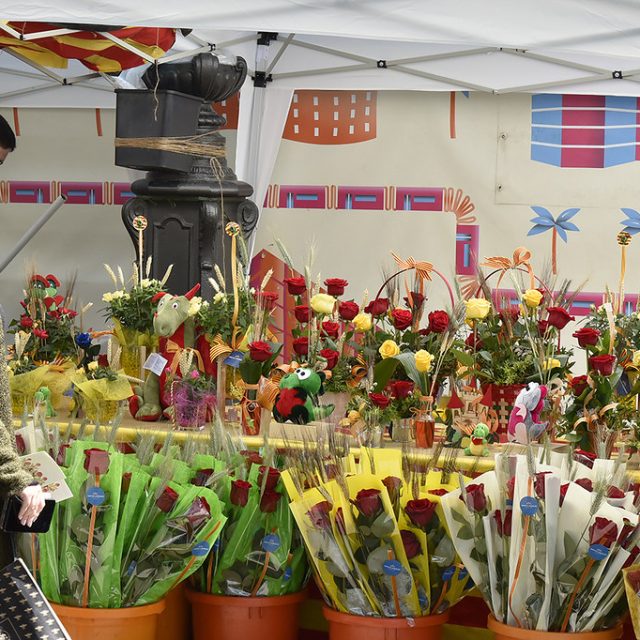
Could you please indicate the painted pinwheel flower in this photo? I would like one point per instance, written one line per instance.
(631, 222)
(559, 226)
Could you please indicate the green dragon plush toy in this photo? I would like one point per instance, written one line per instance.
(298, 398)
(478, 444)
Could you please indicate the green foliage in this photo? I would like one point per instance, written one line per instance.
(134, 309)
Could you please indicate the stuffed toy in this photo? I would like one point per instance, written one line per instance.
(478, 444)
(297, 400)
(524, 422)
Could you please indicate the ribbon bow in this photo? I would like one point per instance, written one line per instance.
(177, 350)
(423, 269)
(521, 258)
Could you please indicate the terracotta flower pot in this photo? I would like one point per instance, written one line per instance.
(131, 623)
(234, 617)
(343, 626)
(505, 632)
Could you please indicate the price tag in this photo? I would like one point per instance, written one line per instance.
(95, 496)
(201, 549)
(155, 363)
(529, 506)
(392, 567)
(287, 574)
(447, 574)
(234, 359)
(598, 552)
(271, 542)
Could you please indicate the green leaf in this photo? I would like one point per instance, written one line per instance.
(383, 372)
(465, 533)
(458, 517)
(463, 358)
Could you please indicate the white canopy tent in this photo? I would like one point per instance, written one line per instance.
(499, 46)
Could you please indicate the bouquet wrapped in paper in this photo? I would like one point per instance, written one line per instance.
(546, 544)
(375, 534)
(126, 537)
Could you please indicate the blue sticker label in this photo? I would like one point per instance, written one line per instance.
(509, 503)
(448, 573)
(392, 567)
(95, 496)
(271, 542)
(470, 583)
(463, 573)
(529, 506)
(422, 599)
(598, 551)
(234, 359)
(287, 574)
(216, 544)
(131, 568)
(201, 549)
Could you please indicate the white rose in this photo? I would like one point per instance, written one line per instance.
(194, 305)
(107, 297)
(145, 282)
(118, 294)
(219, 297)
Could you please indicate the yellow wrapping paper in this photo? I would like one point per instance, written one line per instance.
(24, 386)
(58, 380)
(631, 585)
(102, 389)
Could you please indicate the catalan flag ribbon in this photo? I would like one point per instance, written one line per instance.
(92, 49)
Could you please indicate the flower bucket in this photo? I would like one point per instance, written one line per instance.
(234, 617)
(131, 623)
(192, 407)
(505, 632)
(344, 626)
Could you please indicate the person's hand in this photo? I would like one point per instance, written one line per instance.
(32, 504)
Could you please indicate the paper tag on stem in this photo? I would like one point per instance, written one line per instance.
(155, 363)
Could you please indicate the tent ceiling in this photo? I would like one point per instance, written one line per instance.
(499, 46)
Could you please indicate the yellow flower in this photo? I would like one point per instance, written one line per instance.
(636, 358)
(353, 416)
(219, 297)
(477, 308)
(532, 298)
(107, 297)
(93, 365)
(362, 322)
(424, 360)
(145, 282)
(551, 363)
(323, 303)
(388, 349)
(194, 305)
(119, 294)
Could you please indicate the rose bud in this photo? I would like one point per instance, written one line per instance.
(411, 543)
(296, 286)
(438, 321)
(199, 512)
(259, 351)
(585, 483)
(543, 327)
(330, 329)
(503, 526)
(393, 485)
(166, 500)
(420, 512)
(603, 364)
(414, 300)
(252, 457)
(319, 515)
(348, 310)
(301, 346)
(377, 307)
(302, 313)
(269, 501)
(603, 531)
(331, 356)
(587, 337)
(380, 400)
(438, 492)
(615, 493)
(96, 461)
(539, 484)
(401, 389)
(368, 502)
(273, 475)
(239, 494)
(202, 476)
(563, 491)
(335, 286)
(476, 499)
(401, 319)
(578, 384)
(558, 317)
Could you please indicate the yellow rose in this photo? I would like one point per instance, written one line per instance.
(551, 363)
(323, 303)
(532, 298)
(362, 322)
(93, 365)
(477, 308)
(636, 358)
(388, 349)
(424, 360)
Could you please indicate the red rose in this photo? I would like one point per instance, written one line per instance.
(614, 493)
(377, 307)
(368, 502)
(511, 486)
(335, 286)
(379, 400)
(603, 364)
(41, 333)
(438, 492)
(273, 475)
(421, 512)
(410, 543)
(503, 526)
(510, 316)
(331, 356)
(301, 346)
(330, 329)
(401, 319)
(202, 476)
(332, 471)
(401, 389)
(543, 327)
(103, 360)
(578, 384)
(393, 485)
(199, 512)
(239, 495)
(585, 483)
(414, 301)
(26, 322)
(96, 461)
(585, 457)
(558, 317)
(62, 454)
(539, 484)
(319, 515)
(267, 299)
(69, 312)
(348, 310)
(252, 457)
(438, 321)
(603, 531)
(166, 500)
(302, 313)
(626, 532)
(474, 341)
(563, 492)
(587, 337)
(269, 501)
(476, 499)
(259, 351)
(631, 560)
(295, 286)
